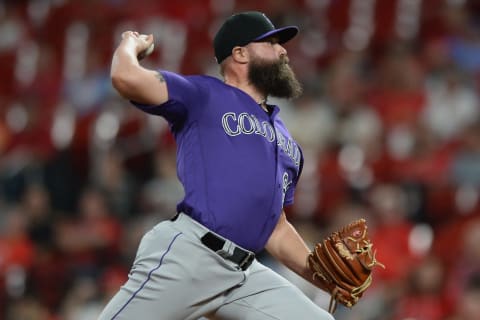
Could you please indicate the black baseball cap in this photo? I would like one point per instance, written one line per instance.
(242, 28)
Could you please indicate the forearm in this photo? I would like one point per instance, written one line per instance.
(288, 247)
(129, 78)
(126, 71)
(124, 61)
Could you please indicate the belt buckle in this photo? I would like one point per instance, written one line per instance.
(247, 261)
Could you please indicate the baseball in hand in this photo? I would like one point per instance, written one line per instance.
(147, 51)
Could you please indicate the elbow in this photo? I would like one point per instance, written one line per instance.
(119, 82)
(123, 84)
(139, 85)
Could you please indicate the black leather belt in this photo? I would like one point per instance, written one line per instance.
(241, 257)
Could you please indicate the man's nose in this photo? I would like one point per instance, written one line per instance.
(282, 50)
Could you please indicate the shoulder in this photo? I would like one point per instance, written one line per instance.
(205, 80)
(211, 86)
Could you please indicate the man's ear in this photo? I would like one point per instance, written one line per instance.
(240, 54)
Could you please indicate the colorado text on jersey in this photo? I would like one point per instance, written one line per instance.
(246, 123)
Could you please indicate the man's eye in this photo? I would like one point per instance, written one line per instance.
(272, 40)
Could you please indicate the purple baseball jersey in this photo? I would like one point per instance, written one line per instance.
(238, 164)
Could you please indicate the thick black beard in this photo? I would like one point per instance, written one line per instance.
(274, 78)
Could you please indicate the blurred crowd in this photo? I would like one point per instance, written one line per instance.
(389, 124)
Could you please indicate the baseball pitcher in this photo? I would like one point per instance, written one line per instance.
(239, 167)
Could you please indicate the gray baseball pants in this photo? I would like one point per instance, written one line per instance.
(176, 277)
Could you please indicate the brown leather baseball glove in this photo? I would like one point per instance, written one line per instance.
(343, 264)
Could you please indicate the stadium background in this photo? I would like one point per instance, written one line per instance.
(389, 123)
